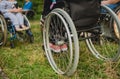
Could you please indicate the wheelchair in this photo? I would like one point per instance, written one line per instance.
(61, 28)
(8, 30)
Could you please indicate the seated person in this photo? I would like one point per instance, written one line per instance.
(9, 10)
(27, 8)
(113, 4)
(27, 5)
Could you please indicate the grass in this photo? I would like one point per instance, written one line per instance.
(27, 61)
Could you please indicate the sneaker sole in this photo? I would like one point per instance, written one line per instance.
(64, 49)
(57, 51)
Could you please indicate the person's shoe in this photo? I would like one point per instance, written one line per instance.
(19, 29)
(55, 48)
(25, 28)
(64, 47)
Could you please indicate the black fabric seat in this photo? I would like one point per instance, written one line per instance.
(84, 13)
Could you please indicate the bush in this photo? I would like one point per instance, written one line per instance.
(37, 5)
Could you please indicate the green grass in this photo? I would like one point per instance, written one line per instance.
(28, 61)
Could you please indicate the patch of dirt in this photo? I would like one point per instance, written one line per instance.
(110, 72)
(2, 74)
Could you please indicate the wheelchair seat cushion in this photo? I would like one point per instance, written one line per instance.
(84, 12)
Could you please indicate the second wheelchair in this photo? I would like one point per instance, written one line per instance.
(7, 29)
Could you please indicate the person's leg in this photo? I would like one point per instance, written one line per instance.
(20, 18)
(46, 10)
(46, 7)
(116, 28)
(14, 20)
(112, 6)
(21, 21)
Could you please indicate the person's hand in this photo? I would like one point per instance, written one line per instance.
(19, 10)
(105, 2)
(52, 5)
(16, 10)
(13, 10)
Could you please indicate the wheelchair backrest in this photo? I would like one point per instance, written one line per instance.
(84, 12)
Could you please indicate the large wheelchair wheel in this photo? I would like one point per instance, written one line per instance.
(59, 29)
(103, 43)
(3, 30)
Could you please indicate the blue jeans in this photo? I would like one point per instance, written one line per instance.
(111, 6)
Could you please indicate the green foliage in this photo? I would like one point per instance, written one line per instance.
(37, 5)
